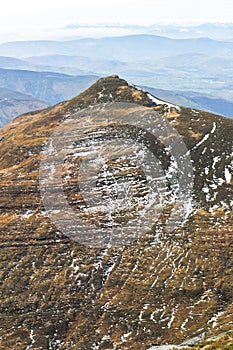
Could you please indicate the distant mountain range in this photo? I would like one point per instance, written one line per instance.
(202, 65)
(216, 31)
(125, 48)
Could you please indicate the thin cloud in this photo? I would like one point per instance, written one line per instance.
(48, 19)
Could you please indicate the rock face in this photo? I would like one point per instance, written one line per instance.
(161, 288)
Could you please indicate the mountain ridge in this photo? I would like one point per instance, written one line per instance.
(66, 45)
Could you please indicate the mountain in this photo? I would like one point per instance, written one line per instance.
(45, 86)
(87, 260)
(13, 103)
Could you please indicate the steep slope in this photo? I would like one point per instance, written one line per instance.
(164, 286)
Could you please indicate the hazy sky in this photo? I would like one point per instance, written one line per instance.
(28, 19)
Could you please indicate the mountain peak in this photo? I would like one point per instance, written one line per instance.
(113, 76)
(115, 89)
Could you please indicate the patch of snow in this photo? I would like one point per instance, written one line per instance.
(154, 99)
(215, 161)
(157, 101)
(205, 189)
(184, 323)
(201, 141)
(27, 215)
(124, 336)
(32, 340)
(227, 175)
(172, 316)
(204, 150)
(109, 270)
(214, 128)
(164, 347)
(214, 319)
(140, 315)
(220, 181)
(100, 94)
(74, 266)
(155, 281)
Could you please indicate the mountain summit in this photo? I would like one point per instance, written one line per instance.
(162, 287)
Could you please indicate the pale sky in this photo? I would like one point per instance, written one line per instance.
(25, 19)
